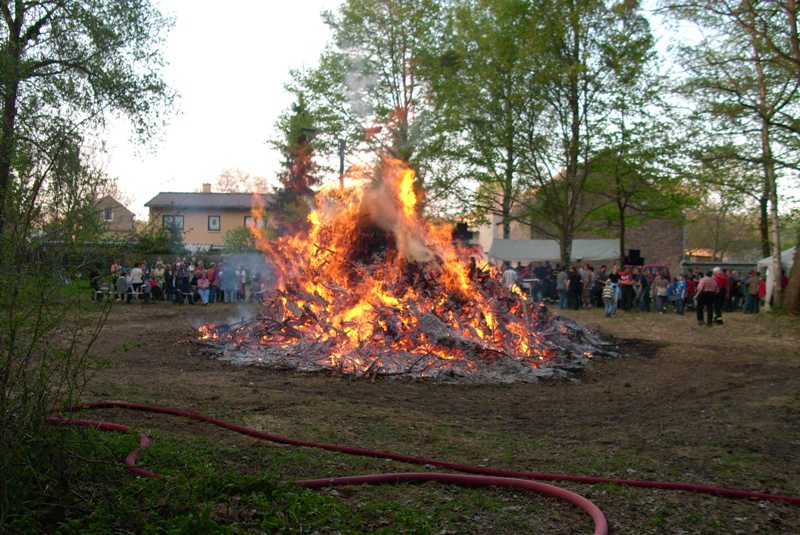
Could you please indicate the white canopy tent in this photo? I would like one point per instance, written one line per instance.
(787, 259)
(547, 250)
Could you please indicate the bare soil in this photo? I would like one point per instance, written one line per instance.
(716, 406)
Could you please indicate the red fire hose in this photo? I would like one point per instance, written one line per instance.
(507, 477)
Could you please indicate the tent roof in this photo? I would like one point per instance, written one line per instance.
(787, 259)
(541, 250)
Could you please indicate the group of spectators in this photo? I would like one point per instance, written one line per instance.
(636, 289)
(178, 282)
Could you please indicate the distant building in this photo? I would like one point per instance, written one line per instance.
(203, 218)
(658, 241)
(116, 218)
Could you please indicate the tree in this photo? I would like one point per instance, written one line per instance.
(633, 177)
(297, 147)
(718, 224)
(744, 87)
(367, 88)
(589, 49)
(239, 240)
(64, 66)
(485, 94)
(238, 181)
(154, 239)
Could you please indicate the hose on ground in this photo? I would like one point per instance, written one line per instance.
(506, 475)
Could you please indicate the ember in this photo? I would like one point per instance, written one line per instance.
(374, 290)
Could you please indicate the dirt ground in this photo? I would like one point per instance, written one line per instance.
(716, 406)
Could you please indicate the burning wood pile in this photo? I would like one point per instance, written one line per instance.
(372, 290)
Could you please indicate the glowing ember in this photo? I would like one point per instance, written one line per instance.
(373, 290)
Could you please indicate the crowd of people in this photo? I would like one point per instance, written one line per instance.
(185, 280)
(633, 288)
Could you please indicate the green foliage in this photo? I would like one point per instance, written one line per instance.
(153, 239)
(367, 89)
(239, 240)
(297, 148)
(64, 66)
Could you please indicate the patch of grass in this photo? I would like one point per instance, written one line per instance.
(199, 493)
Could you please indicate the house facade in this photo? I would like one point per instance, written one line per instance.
(203, 218)
(116, 218)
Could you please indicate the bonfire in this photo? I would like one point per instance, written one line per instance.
(373, 290)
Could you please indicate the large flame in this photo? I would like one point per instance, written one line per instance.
(372, 288)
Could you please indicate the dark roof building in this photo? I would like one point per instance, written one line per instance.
(230, 201)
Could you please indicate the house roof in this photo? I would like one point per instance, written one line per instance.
(205, 200)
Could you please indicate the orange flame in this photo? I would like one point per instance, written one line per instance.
(371, 280)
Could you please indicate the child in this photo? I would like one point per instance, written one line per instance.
(680, 294)
(610, 298)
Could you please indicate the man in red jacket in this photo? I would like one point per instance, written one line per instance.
(723, 288)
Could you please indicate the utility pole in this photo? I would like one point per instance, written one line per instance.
(341, 164)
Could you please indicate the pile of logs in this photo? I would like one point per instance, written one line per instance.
(432, 333)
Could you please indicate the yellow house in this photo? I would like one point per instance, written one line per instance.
(203, 218)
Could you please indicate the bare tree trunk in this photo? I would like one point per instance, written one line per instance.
(621, 238)
(11, 55)
(763, 223)
(774, 290)
(565, 248)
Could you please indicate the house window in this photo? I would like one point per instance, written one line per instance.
(249, 221)
(174, 222)
(213, 223)
(108, 215)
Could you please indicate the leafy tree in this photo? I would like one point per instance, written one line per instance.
(486, 96)
(297, 147)
(293, 200)
(743, 86)
(367, 89)
(718, 224)
(633, 177)
(63, 67)
(154, 239)
(631, 189)
(592, 53)
(239, 240)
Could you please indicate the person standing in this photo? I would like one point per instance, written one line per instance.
(706, 297)
(680, 294)
(598, 285)
(751, 296)
(661, 289)
(644, 290)
(509, 276)
(241, 280)
(137, 278)
(116, 270)
(626, 283)
(691, 287)
(227, 277)
(213, 280)
(610, 297)
(561, 287)
(203, 287)
(182, 282)
(723, 289)
(574, 288)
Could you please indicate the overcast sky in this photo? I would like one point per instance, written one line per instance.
(229, 61)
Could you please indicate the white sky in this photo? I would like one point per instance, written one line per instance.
(229, 61)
